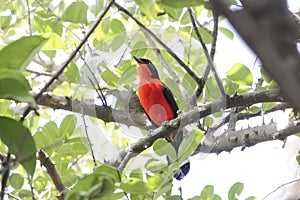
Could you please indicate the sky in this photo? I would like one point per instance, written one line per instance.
(263, 167)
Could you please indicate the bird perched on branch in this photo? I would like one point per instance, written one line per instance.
(158, 103)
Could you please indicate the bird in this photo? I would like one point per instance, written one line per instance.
(159, 104)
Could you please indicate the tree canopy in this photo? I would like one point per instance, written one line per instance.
(71, 125)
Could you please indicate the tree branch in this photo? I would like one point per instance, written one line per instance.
(105, 113)
(247, 137)
(51, 170)
(193, 116)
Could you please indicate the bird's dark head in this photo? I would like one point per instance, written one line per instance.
(145, 68)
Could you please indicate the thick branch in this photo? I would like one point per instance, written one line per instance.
(248, 137)
(105, 113)
(193, 116)
(135, 117)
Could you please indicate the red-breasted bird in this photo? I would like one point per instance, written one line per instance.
(158, 102)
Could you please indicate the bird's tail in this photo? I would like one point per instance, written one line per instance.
(184, 169)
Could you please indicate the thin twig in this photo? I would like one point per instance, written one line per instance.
(38, 73)
(5, 175)
(281, 186)
(60, 71)
(88, 137)
(212, 52)
(187, 69)
(97, 85)
(31, 187)
(12, 196)
(214, 34)
(28, 15)
(207, 55)
(203, 27)
(127, 47)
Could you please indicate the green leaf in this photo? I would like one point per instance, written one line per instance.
(207, 192)
(206, 37)
(105, 26)
(72, 73)
(5, 109)
(55, 42)
(117, 26)
(72, 147)
(19, 141)
(208, 121)
(189, 84)
(189, 144)
(117, 42)
(298, 158)
(25, 193)
(110, 78)
(235, 190)
(228, 33)
(173, 13)
(135, 185)
(128, 76)
(102, 30)
(13, 85)
(99, 184)
(51, 131)
(268, 106)
(76, 13)
(139, 49)
(67, 126)
(147, 7)
(18, 54)
(185, 19)
(16, 181)
(162, 147)
(244, 89)
(273, 84)
(176, 92)
(254, 109)
(240, 74)
(265, 75)
(230, 87)
(181, 3)
(212, 88)
(97, 7)
(251, 198)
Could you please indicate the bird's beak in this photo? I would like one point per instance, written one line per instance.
(138, 59)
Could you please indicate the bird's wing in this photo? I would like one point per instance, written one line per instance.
(170, 98)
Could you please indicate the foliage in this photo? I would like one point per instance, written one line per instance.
(38, 36)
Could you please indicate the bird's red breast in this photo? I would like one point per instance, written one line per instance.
(154, 102)
(152, 94)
